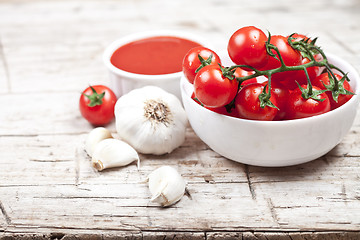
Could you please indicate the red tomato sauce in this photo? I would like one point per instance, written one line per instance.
(152, 56)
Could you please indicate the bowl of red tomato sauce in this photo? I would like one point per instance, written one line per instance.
(273, 143)
(148, 58)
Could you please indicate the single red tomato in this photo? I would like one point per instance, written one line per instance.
(281, 94)
(213, 89)
(290, 56)
(247, 103)
(239, 72)
(313, 72)
(97, 104)
(323, 80)
(299, 107)
(299, 37)
(191, 61)
(247, 47)
(300, 76)
(220, 110)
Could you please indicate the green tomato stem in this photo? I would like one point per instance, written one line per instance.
(308, 49)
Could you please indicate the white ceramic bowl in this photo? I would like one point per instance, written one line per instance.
(273, 143)
(122, 82)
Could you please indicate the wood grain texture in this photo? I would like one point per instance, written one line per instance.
(51, 50)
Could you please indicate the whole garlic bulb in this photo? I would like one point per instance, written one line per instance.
(112, 152)
(166, 186)
(94, 137)
(151, 120)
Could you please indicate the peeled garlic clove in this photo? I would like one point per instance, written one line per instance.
(94, 137)
(166, 186)
(113, 153)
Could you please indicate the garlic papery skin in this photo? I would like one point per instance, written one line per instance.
(111, 153)
(151, 120)
(166, 186)
(94, 137)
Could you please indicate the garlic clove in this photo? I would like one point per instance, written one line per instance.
(94, 137)
(166, 186)
(113, 153)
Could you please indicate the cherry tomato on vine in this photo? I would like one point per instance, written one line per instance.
(323, 80)
(97, 104)
(247, 104)
(299, 36)
(191, 61)
(299, 107)
(290, 57)
(239, 72)
(313, 72)
(213, 89)
(220, 110)
(281, 94)
(300, 76)
(247, 47)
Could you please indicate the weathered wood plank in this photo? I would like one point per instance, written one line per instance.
(188, 235)
(261, 189)
(73, 183)
(283, 236)
(127, 207)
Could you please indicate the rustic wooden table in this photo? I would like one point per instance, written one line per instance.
(51, 50)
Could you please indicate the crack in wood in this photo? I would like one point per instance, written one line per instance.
(44, 133)
(131, 226)
(34, 185)
(19, 135)
(6, 216)
(50, 160)
(272, 211)
(343, 193)
(64, 229)
(251, 188)
(77, 167)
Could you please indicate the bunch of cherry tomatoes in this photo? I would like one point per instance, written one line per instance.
(293, 94)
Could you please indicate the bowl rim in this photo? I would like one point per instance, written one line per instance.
(331, 57)
(112, 47)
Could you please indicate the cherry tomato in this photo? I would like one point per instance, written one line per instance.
(299, 107)
(213, 89)
(191, 61)
(281, 94)
(220, 110)
(323, 79)
(299, 37)
(290, 56)
(97, 104)
(247, 103)
(313, 72)
(247, 47)
(239, 72)
(300, 76)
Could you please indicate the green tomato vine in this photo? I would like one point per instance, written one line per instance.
(307, 49)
